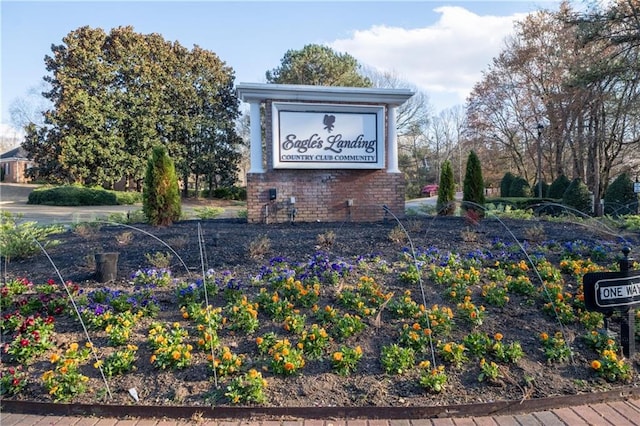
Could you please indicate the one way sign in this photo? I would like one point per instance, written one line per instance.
(605, 291)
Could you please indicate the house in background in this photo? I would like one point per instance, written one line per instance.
(14, 165)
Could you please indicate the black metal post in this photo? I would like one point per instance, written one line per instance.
(540, 127)
(628, 317)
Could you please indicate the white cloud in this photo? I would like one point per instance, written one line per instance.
(444, 59)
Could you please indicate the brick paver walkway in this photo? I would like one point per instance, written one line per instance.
(618, 413)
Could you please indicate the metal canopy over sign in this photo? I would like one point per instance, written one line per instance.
(321, 136)
(604, 291)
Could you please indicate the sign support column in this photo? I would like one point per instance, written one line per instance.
(607, 292)
(392, 152)
(256, 138)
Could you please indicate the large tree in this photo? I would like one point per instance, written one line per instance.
(576, 76)
(117, 95)
(318, 65)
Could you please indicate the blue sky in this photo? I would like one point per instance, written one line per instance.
(441, 47)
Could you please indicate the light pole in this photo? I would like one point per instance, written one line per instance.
(540, 127)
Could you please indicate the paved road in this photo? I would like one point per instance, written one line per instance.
(13, 199)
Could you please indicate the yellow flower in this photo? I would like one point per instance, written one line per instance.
(47, 375)
(425, 364)
(54, 358)
(97, 364)
(73, 347)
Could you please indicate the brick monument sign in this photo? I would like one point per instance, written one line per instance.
(330, 153)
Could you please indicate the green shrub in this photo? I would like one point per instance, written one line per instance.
(72, 195)
(161, 195)
(577, 195)
(446, 191)
(558, 186)
(620, 198)
(18, 240)
(473, 193)
(505, 184)
(130, 217)
(508, 211)
(631, 222)
(228, 193)
(519, 187)
(536, 190)
(128, 198)
(208, 212)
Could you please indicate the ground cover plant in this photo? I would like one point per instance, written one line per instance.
(340, 314)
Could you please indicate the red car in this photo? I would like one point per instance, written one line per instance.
(430, 190)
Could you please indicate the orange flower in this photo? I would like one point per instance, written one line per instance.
(288, 366)
(498, 336)
(337, 356)
(544, 336)
(595, 364)
(175, 355)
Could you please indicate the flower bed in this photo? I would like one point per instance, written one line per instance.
(427, 327)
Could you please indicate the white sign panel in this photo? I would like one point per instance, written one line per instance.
(618, 291)
(322, 136)
(636, 187)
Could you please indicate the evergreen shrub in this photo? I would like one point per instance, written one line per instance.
(161, 195)
(577, 196)
(505, 184)
(558, 186)
(446, 191)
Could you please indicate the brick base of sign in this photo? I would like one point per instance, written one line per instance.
(324, 195)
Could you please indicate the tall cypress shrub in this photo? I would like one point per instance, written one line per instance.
(161, 195)
(505, 184)
(473, 192)
(446, 191)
